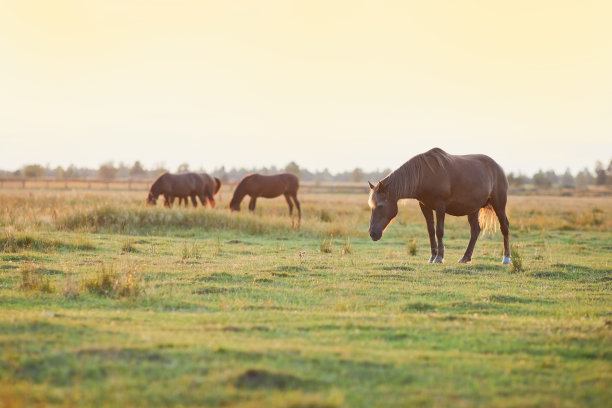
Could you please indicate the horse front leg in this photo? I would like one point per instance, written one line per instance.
(429, 220)
(252, 204)
(193, 201)
(439, 235)
(474, 232)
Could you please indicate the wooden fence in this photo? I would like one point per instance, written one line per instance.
(143, 185)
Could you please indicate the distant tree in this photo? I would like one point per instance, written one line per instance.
(107, 171)
(567, 180)
(356, 175)
(59, 172)
(71, 172)
(33, 171)
(517, 180)
(552, 176)
(183, 168)
(541, 180)
(584, 178)
(123, 171)
(600, 174)
(221, 174)
(293, 168)
(137, 171)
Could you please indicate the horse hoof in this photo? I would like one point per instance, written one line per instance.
(506, 260)
(465, 261)
(438, 260)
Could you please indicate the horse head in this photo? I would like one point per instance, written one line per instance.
(384, 209)
(234, 206)
(151, 199)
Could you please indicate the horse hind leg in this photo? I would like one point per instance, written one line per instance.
(504, 226)
(290, 204)
(193, 201)
(297, 204)
(474, 232)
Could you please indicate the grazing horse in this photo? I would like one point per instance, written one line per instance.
(180, 185)
(212, 185)
(473, 185)
(259, 185)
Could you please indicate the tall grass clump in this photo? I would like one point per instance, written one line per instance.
(128, 247)
(139, 220)
(327, 245)
(347, 248)
(15, 242)
(324, 215)
(190, 252)
(108, 282)
(516, 259)
(33, 279)
(412, 247)
(72, 288)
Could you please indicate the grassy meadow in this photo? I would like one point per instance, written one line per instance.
(106, 303)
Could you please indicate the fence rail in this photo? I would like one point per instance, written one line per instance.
(143, 185)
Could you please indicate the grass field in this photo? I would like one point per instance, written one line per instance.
(104, 302)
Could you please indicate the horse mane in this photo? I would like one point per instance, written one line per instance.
(405, 181)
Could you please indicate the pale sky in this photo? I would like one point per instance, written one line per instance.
(328, 84)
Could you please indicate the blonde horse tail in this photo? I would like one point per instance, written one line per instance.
(487, 219)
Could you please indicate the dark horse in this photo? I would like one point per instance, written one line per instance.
(259, 185)
(473, 185)
(182, 185)
(212, 185)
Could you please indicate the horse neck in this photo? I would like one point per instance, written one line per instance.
(405, 181)
(155, 190)
(239, 193)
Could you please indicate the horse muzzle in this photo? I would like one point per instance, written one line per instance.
(375, 235)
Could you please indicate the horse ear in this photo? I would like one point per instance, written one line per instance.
(371, 186)
(381, 187)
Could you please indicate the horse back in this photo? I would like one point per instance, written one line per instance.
(466, 183)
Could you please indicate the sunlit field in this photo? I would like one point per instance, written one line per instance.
(106, 302)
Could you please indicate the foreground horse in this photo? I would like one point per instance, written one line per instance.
(259, 185)
(182, 185)
(473, 185)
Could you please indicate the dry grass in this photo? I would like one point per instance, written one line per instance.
(108, 282)
(34, 280)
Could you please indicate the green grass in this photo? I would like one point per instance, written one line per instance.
(104, 302)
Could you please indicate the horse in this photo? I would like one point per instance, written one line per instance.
(473, 185)
(259, 185)
(212, 185)
(181, 185)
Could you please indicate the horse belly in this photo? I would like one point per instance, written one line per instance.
(269, 194)
(459, 210)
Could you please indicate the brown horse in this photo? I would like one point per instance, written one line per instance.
(182, 185)
(473, 185)
(212, 185)
(259, 185)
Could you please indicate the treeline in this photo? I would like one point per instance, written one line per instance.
(110, 171)
(600, 175)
